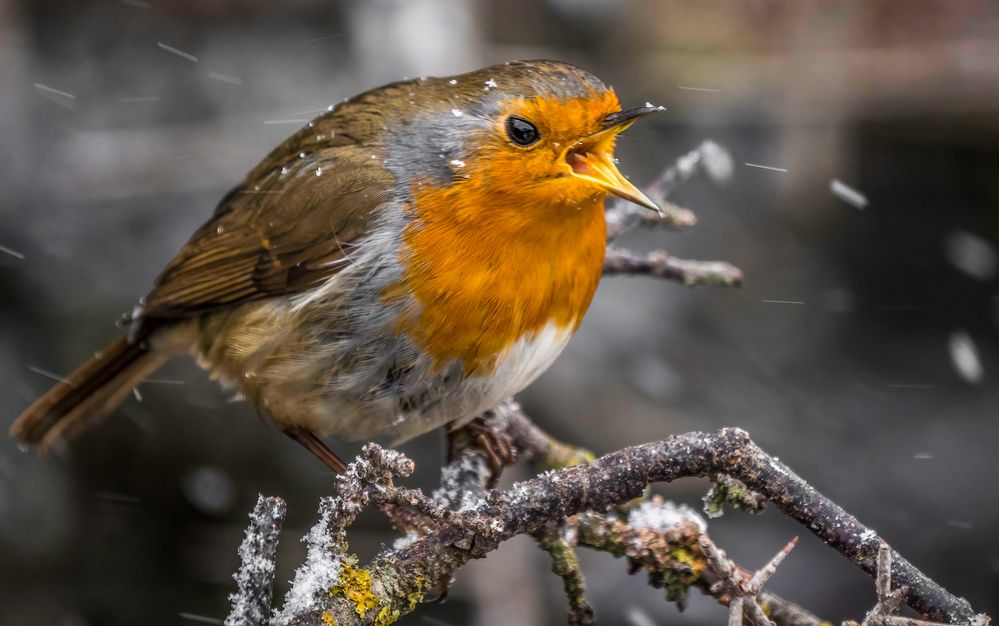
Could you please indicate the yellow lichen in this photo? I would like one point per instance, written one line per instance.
(328, 618)
(685, 556)
(561, 455)
(355, 585)
(415, 597)
(386, 616)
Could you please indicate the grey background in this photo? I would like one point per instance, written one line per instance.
(855, 388)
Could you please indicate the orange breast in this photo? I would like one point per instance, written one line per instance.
(485, 270)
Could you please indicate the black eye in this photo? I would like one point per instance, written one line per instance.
(521, 132)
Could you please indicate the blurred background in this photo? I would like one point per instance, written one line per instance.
(862, 349)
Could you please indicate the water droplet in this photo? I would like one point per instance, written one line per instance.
(452, 82)
(319, 171)
(490, 84)
(972, 254)
(209, 489)
(964, 357)
(457, 112)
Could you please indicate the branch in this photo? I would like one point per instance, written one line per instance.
(396, 580)
(661, 265)
(251, 604)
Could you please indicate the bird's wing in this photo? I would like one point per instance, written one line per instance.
(276, 234)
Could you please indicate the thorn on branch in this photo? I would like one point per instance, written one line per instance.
(661, 265)
(743, 593)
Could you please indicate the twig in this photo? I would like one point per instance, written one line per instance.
(785, 613)
(660, 264)
(566, 566)
(708, 157)
(251, 604)
(623, 216)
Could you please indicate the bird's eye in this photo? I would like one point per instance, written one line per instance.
(521, 132)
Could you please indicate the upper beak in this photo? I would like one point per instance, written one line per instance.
(623, 119)
(592, 159)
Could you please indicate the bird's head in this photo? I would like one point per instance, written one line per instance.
(533, 132)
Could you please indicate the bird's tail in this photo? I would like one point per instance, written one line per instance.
(87, 395)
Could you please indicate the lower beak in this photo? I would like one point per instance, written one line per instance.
(593, 161)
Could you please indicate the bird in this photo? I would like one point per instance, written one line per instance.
(402, 263)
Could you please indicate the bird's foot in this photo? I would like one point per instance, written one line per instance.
(493, 441)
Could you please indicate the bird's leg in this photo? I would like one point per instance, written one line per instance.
(315, 445)
(494, 442)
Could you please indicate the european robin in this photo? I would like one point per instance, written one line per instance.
(404, 262)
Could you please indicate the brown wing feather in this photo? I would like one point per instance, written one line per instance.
(278, 233)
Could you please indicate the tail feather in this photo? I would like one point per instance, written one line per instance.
(87, 395)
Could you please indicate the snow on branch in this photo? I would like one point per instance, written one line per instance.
(251, 604)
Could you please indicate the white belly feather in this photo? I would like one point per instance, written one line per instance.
(528, 358)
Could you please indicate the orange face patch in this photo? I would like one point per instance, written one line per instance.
(515, 246)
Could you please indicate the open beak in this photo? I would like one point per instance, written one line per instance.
(592, 159)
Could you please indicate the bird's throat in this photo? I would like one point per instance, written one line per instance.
(477, 286)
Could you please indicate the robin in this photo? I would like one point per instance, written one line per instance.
(404, 262)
